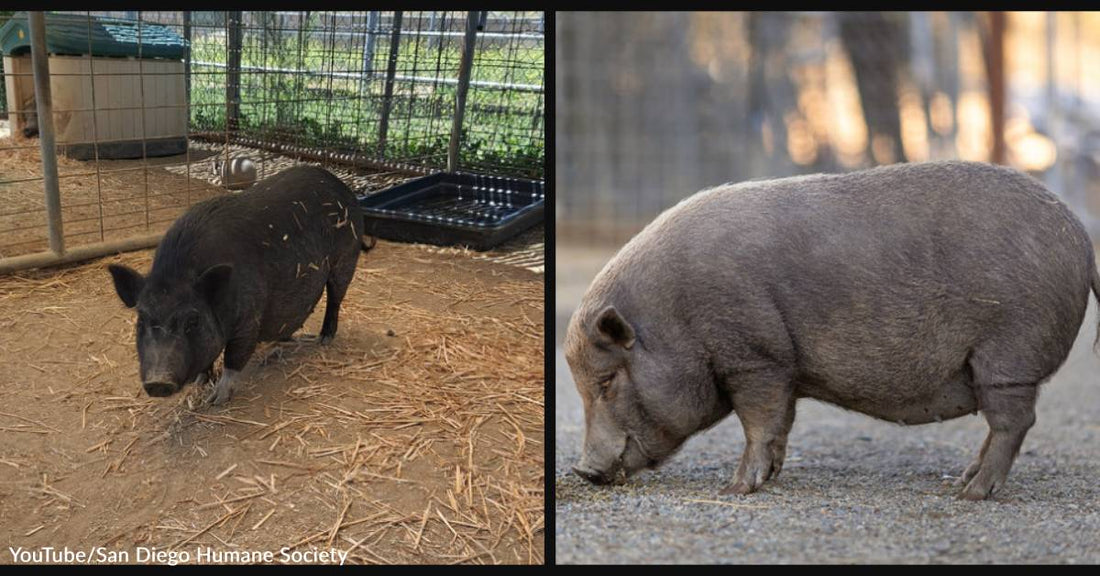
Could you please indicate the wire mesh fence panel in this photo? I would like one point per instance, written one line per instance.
(505, 108)
(156, 110)
(377, 84)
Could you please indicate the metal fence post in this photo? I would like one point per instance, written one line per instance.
(391, 72)
(368, 47)
(187, 60)
(472, 20)
(46, 137)
(233, 71)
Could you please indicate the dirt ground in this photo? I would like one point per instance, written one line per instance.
(416, 436)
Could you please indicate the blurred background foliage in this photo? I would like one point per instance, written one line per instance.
(652, 107)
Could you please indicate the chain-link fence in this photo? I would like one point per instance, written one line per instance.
(652, 107)
(153, 111)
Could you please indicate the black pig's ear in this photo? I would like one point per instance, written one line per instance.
(613, 329)
(128, 283)
(214, 281)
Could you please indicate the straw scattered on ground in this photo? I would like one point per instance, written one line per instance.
(416, 436)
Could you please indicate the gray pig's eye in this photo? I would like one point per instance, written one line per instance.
(605, 384)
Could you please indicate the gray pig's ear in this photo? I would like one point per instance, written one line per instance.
(213, 281)
(128, 283)
(612, 328)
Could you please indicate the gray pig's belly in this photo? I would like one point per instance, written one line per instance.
(910, 401)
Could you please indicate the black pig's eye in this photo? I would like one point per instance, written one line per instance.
(191, 325)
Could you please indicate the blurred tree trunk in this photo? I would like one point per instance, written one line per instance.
(991, 29)
(947, 76)
(683, 120)
(771, 92)
(877, 45)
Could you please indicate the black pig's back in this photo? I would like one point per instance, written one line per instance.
(283, 236)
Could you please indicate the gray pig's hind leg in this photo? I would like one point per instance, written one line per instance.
(779, 443)
(223, 390)
(766, 413)
(974, 466)
(1010, 411)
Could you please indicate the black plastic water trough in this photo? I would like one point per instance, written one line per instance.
(455, 208)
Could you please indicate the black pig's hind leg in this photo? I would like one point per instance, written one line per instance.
(337, 286)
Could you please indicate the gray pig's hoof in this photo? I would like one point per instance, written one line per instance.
(969, 474)
(977, 491)
(741, 488)
(972, 495)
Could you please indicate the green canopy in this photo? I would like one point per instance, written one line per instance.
(68, 34)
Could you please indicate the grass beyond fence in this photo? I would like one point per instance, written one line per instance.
(320, 86)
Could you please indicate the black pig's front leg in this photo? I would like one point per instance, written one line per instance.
(237, 353)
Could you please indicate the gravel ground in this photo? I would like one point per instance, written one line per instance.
(853, 490)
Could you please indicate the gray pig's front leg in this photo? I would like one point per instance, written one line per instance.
(766, 416)
(223, 390)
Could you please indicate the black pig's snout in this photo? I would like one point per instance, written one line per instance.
(160, 389)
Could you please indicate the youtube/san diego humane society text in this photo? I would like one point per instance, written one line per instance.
(170, 557)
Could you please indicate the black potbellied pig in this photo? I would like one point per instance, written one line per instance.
(912, 293)
(241, 269)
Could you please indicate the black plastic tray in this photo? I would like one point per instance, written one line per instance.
(455, 208)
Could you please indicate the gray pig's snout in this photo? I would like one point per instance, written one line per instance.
(596, 478)
(160, 389)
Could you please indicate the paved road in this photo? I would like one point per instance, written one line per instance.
(853, 489)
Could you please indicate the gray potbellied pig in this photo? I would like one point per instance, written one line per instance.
(912, 293)
(240, 269)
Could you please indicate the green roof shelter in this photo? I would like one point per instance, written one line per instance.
(117, 85)
(82, 35)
